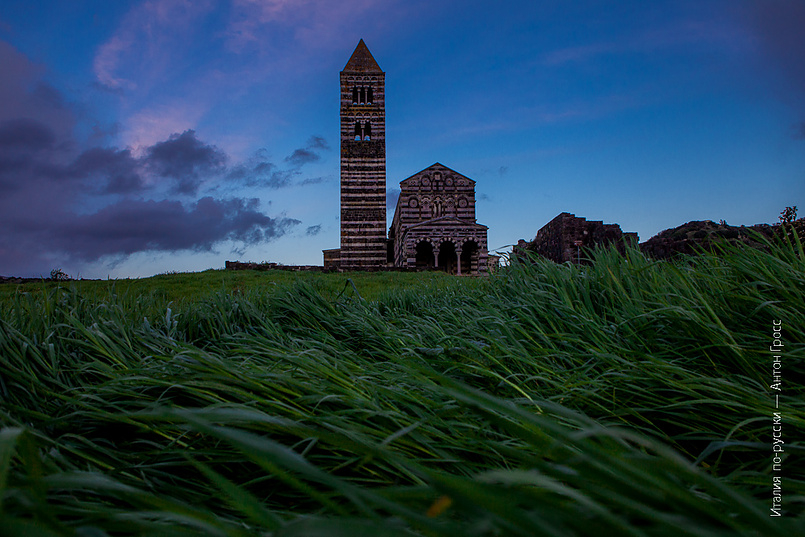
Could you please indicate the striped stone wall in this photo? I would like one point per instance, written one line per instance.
(363, 163)
(436, 213)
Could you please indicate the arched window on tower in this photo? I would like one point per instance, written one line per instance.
(363, 95)
(363, 131)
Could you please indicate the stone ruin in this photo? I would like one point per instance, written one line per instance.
(563, 238)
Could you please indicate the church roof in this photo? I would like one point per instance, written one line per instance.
(437, 167)
(362, 61)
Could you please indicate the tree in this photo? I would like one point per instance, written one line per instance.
(789, 215)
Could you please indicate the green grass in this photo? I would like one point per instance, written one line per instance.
(191, 287)
(625, 397)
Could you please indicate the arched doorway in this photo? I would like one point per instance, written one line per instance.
(424, 255)
(469, 258)
(447, 257)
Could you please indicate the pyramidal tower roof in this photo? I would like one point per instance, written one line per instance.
(362, 61)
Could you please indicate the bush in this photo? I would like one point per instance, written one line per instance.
(58, 275)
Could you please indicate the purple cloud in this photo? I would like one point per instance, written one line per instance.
(24, 95)
(259, 173)
(301, 157)
(66, 202)
(132, 226)
(25, 134)
(185, 159)
(21, 141)
(312, 181)
(118, 169)
(308, 154)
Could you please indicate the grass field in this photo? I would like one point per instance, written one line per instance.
(191, 287)
(627, 397)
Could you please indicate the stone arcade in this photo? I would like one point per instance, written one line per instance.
(434, 225)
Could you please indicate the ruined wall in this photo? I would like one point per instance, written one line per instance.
(562, 238)
(237, 265)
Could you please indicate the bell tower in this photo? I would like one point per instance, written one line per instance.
(363, 162)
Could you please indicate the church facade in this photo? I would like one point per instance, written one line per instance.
(434, 224)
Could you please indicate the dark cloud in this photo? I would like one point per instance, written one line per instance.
(47, 95)
(260, 173)
(280, 179)
(317, 142)
(61, 211)
(134, 226)
(187, 160)
(65, 202)
(309, 153)
(24, 133)
(22, 141)
(103, 132)
(300, 157)
(312, 181)
(313, 230)
(117, 170)
(23, 94)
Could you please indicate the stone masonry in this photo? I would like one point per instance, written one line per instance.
(434, 223)
(363, 163)
(563, 238)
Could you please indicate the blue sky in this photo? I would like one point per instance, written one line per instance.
(148, 136)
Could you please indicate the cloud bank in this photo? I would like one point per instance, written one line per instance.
(68, 203)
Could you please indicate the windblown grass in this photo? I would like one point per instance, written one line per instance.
(628, 396)
(192, 287)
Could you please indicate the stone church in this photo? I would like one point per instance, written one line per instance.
(434, 225)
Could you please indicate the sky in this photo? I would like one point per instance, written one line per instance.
(143, 137)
